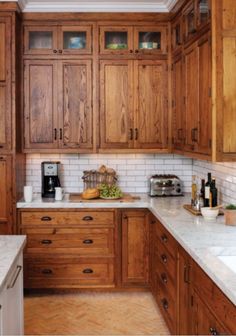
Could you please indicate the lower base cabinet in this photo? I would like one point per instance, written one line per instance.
(121, 249)
(11, 302)
(135, 248)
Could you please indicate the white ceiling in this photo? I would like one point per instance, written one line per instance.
(95, 5)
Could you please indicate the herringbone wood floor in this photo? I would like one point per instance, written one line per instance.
(93, 314)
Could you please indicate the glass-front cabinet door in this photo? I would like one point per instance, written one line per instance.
(40, 40)
(190, 20)
(116, 40)
(149, 40)
(176, 34)
(75, 40)
(203, 10)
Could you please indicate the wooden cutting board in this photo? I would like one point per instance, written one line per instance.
(197, 212)
(127, 198)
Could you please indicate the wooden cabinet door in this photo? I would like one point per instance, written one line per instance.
(75, 104)
(178, 127)
(116, 40)
(184, 293)
(204, 117)
(5, 84)
(205, 322)
(75, 40)
(5, 194)
(40, 114)
(150, 40)
(150, 78)
(40, 40)
(135, 248)
(116, 104)
(191, 76)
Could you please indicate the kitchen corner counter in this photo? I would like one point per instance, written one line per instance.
(204, 241)
(10, 249)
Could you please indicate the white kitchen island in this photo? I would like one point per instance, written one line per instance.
(11, 285)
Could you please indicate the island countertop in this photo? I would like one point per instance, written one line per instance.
(10, 248)
(204, 241)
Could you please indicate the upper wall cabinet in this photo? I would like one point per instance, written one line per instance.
(58, 105)
(57, 40)
(5, 84)
(196, 15)
(133, 40)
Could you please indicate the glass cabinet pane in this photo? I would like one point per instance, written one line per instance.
(40, 40)
(74, 40)
(177, 33)
(203, 10)
(116, 40)
(149, 40)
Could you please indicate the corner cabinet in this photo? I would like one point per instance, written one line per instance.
(133, 104)
(135, 248)
(58, 105)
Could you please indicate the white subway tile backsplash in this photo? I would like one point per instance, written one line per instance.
(133, 169)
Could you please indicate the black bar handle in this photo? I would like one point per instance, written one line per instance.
(87, 218)
(136, 134)
(131, 134)
(60, 133)
(46, 241)
(46, 218)
(87, 271)
(88, 241)
(47, 271)
(55, 134)
(180, 134)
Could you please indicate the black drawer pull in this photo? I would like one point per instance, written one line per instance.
(165, 304)
(46, 218)
(87, 218)
(88, 241)
(46, 242)
(164, 278)
(164, 258)
(87, 271)
(164, 238)
(213, 331)
(47, 271)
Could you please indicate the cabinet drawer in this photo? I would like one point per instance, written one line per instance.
(214, 298)
(166, 280)
(75, 241)
(166, 240)
(167, 260)
(65, 274)
(167, 306)
(67, 218)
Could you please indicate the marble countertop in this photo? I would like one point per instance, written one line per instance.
(10, 248)
(204, 241)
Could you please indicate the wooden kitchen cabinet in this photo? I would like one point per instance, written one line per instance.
(197, 97)
(5, 84)
(6, 194)
(57, 39)
(69, 249)
(184, 318)
(178, 116)
(133, 40)
(133, 104)
(135, 248)
(58, 105)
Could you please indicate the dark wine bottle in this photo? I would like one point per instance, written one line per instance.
(213, 193)
(207, 190)
(202, 190)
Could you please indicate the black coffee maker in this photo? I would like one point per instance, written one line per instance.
(50, 178)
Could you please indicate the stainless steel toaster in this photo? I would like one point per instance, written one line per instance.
(165, 185)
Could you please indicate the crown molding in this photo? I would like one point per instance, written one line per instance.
(153, 6)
